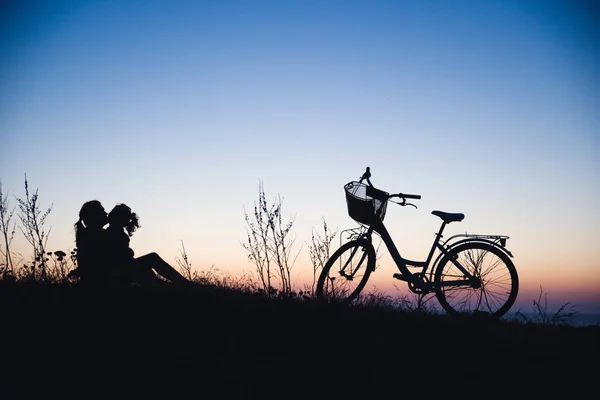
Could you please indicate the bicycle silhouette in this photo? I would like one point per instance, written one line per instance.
(471, 274)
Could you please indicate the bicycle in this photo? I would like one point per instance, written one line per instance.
(471, 274)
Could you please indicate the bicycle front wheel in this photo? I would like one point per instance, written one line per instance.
(494, 289)
(346, 272)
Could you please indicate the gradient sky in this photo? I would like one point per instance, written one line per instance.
(179, 109)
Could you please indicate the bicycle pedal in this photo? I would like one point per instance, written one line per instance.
(401, 277)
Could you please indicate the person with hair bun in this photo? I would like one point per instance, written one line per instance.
(122, 223)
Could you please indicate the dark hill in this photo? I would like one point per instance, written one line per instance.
(206, 342)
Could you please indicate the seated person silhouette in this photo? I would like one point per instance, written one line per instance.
(122, 223)
(121, 220)
(104, 255)
(93, 266)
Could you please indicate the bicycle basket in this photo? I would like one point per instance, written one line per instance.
(365, 203)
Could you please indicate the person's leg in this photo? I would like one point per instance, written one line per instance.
(154, 261)
(142, 272)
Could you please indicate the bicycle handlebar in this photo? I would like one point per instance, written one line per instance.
(406, 196)
(367, 176)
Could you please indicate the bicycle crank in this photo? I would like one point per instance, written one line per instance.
(418, 283)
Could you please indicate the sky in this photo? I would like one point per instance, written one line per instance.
(181, 108)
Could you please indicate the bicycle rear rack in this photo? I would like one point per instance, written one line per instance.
(499, 240)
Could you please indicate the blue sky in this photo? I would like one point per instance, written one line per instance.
(179, 108)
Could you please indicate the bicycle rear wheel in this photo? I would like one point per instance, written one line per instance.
(346, 272)
(494, 294)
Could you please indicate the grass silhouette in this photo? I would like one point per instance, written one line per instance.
(219, 341)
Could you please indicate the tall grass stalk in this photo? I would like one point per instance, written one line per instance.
(33, 222)
(542, 316)
(8, 233)
(319, 250)
(269, 244)
(185, 266)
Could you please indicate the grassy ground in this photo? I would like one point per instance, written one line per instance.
(206, 342)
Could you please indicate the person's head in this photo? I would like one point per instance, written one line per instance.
(122, 216)
(91, 215)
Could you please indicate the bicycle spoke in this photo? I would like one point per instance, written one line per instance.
(346, 272)
(494, 289)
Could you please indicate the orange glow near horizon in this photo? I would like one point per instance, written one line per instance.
(581, 289)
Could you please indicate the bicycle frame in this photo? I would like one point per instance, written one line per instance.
(444, 247)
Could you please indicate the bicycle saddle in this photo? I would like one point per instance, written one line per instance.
(449, 217)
